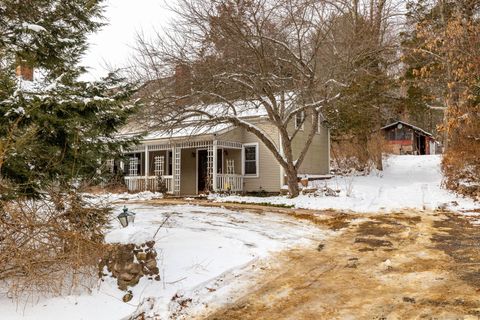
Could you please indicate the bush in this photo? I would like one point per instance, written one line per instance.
(50, 245)
(161, 185)
(360, 155)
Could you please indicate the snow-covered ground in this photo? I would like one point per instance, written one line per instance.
(205, 254)
(406, 182)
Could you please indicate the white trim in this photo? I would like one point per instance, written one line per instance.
(282, 171)
(328, 150)
(146, 163)
(319, 124)
(214, 166)
(257, 160)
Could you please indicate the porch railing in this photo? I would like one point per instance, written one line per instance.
(229, 182)
(137, 183)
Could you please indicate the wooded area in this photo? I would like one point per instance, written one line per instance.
(360, 64)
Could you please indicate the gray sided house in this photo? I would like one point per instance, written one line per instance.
(220, 158)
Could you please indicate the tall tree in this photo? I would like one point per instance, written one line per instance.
(245, 55)
(449, 43)
(361, 52)
(53, 127)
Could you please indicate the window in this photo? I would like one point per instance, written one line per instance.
(299, 120)
(134, 167)
(250, 159)
(159, 166)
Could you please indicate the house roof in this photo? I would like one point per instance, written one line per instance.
(408, 125)
(188, 131)
(244, 109)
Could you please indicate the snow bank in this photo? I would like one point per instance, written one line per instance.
(204, 254)
(108, 198)
(406, 182)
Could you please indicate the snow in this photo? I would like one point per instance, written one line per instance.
(107, 198)
(185, 132)
(33, 27)
(407, 182)
(204, 254)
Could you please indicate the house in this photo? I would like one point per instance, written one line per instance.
(404, 138)
(221, 157)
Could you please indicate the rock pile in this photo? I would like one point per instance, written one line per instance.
(129, 263)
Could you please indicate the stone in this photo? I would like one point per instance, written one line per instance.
(134, 268)
(127, 297)
(125, 276)
(151, 264)
(141, 256)
(150, 244)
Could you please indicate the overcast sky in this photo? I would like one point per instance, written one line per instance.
(112, 44)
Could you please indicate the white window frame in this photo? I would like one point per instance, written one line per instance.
(257, 160)
(302, 114)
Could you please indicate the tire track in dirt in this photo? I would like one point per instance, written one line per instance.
(384, 266)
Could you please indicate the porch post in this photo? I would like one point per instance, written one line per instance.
(214, 166)
(176, 166)
(146, 167)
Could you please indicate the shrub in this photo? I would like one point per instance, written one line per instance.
(50, 245)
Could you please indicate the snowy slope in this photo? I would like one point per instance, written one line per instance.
(406, 182)
(205, 254)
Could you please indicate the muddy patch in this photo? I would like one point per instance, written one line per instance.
(460, 240)
(374, 242)
(392, 266)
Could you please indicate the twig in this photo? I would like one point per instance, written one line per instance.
(176, 280)
(164, 221)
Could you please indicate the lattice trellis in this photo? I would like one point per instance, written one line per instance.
(209, 182)
(176, 170)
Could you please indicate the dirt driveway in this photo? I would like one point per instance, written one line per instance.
(407, 265)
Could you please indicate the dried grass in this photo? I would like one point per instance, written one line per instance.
(356, 155)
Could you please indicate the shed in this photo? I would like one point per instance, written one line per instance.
(404, 138)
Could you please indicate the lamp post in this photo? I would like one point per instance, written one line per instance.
(126, 217)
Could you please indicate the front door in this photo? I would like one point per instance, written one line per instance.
(202, 171)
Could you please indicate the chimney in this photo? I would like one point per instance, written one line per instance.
(183, 83)
(183, 78)
(24, 71)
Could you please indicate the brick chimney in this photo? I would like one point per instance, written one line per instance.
(183, 79)
(24, 71)
(182, 83)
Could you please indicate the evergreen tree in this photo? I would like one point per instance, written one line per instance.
(422, 104)
(56, 128)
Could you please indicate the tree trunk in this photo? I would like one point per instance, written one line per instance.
(292, 180)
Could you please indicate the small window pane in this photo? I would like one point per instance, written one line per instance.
(250, 153)
(250, 167)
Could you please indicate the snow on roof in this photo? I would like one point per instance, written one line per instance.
(239, 109)
(408, 125)
(188, 131)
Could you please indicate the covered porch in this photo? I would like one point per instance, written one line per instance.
(185, 168)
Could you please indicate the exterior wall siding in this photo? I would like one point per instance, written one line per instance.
(269, 170)
(317, 159)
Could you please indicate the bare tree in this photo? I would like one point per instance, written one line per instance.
(240, 56)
